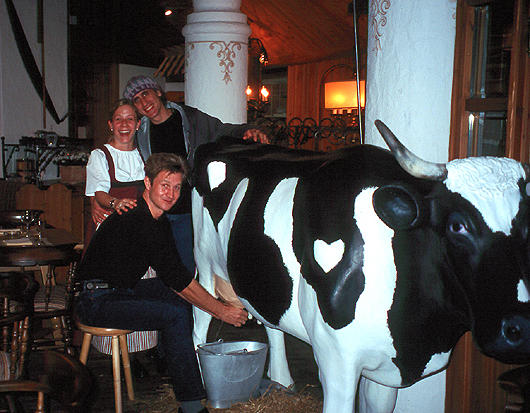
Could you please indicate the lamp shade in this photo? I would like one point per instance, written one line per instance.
(343, 95)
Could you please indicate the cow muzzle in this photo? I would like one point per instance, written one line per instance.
(512, 344)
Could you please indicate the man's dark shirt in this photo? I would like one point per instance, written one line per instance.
(168, 137)
(125, 246)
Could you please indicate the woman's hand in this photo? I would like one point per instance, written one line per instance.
(99, 214)
(124, 204)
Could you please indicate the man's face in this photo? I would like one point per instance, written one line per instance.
(148, 103)
(163, 192)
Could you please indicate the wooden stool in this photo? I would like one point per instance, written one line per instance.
(119, 341)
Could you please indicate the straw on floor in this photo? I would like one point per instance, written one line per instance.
(275, 401)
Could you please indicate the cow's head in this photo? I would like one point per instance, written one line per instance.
(480, 211)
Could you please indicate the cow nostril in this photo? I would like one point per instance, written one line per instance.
(512, 333)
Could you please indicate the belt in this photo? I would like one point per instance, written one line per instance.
(92, 285)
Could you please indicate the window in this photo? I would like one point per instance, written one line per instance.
(490, 97)
(490, 71)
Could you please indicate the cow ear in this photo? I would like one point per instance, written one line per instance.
(398, 207)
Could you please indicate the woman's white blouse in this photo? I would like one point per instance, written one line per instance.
(128, 166)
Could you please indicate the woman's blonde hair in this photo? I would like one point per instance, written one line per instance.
(119, 104)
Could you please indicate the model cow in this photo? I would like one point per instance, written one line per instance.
(378, 259)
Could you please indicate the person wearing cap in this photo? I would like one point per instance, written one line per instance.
(173, 128)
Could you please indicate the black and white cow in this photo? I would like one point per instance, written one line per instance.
(379, 260)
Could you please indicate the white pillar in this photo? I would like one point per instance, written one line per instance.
(216, 59)
(410, 72)
(409, 82)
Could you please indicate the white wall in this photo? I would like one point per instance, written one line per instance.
(21, 110)
(409, 80)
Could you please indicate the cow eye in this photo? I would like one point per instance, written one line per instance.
(457, 224)
(457, 228)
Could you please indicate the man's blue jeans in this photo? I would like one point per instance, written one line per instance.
(183, 236)
(150, 305)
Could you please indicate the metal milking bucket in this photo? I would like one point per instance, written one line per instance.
(232, 372)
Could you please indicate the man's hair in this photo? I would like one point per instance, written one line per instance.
(168, 162)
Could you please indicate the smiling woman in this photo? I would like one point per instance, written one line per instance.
(115, 171)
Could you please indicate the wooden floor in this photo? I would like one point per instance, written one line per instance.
(153, 385)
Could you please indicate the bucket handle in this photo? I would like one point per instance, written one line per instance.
(230, 353)
(203, 347)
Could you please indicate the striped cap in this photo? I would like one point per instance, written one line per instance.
(138, 83)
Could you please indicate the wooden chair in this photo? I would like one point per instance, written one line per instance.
(55, 303)
(65, 380)
(119, 343)
(17, 290)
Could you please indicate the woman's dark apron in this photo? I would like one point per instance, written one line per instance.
(133, 190)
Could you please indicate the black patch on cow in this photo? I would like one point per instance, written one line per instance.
(254, 261)
(429, 310)
(328, 184)
(431, 307)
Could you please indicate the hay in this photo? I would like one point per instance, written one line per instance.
(275, 401)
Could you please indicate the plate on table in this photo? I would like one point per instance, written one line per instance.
(18, 242)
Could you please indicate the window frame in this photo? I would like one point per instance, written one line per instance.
(516, 105)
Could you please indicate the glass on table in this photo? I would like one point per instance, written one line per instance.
(27, 220)
(28, 217)
(39, 227)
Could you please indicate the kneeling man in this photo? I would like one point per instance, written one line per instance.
(119, 254)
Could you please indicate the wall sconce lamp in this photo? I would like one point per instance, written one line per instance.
(257, 108)
(343, 95)
(264, 93)
(263, 56)
(341, 98)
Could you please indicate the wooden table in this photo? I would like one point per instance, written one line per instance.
(57, 247)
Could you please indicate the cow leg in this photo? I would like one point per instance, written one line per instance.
(339, 388)
(376, 398)
(278, 367)
(201, 318)
(201, 324)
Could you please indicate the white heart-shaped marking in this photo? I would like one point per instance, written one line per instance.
(328, 255)
(216, 173)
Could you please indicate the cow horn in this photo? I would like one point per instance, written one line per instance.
(409, 162)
